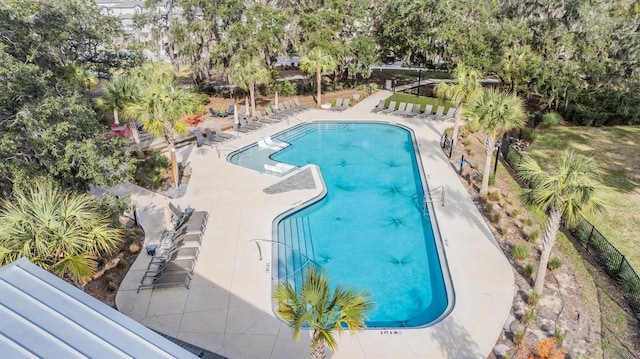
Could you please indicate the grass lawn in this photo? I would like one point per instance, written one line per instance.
(618, 152)
(423, 101)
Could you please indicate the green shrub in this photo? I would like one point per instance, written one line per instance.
(529, 134)
(494, 195)
(518, 337)
(528, 270)
(533, 299)
(551, 119)
(496, 217)
(533, 236)
(112, 287)
(515, 213)
(554, 263)
(492, 179)
(559, 335)
(466, 142)
(488, 207)
(528, 317)
(527, 222)
(520, 252)
(149, 172)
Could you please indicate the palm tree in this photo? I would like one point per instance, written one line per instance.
(318, 61)
(319, 309)
(246, 73)
(494, 112)
(566, 191)
(116, 95)
(59, 231)
(465, 89)
(160, 107)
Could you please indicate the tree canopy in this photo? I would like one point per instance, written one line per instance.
(550, 53)
(50, 52)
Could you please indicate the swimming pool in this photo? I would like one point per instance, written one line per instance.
(371, 230)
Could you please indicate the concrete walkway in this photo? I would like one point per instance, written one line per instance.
(228, 309)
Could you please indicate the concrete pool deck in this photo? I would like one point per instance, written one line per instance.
(228, 309)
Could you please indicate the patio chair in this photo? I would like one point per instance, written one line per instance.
(195, 225)
(180, 238)
(251, 124)
(450, 114)
(270, 141)
(172, 264)
(200, 140)
(401, 108)
(263, 119)
(391, 108)
(213, 112)
(159, 279)
(345, 105)
(438, 113)
(281, 168)
(299, 104)
(177, 212)
(220, 133)
(176, 252)
(379, 107)
(337, 106)
(426, 112)
(231, 110)
(272, 114)
(407, 110)
(213, 137)
(415, 111)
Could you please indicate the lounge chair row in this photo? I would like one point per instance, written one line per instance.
(413, 110)
(174, 259)
(340, 105)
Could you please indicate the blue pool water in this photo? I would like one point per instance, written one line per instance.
(369, 232)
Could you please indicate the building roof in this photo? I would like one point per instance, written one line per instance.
(44, 316)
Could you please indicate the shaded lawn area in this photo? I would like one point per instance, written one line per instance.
(423, 101)
(617, 150)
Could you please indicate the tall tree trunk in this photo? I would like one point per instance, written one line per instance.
(489, 144)
(116, 120)
(317, 346)
(456, 122)
(174, 164)
(252, 94)
(319, 85)
(549, 239)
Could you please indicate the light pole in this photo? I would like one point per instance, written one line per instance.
(419, 80)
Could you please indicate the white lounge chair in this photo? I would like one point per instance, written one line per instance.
(427, 112)
(280, 168)
(270, 141)
(438, 114)
(450, 114)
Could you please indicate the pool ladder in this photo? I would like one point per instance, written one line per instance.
(436, 194)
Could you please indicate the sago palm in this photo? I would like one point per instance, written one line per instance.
(318, 61)
(57, 230)
(494, 112)
(465, 89)
(567, 190)
(160, 107)
(246, 73)
(325, 312)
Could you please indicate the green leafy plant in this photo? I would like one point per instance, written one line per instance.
(533, 236)
(528, 317)
(529, 134)
(518, 337)
(527, 222)
(559, 335)
(494, 195)
(520, 252)
(492, 179)
(555, 263)
(496, 217)
(551, 119)
(533, 299)
(515, 213)
(528, 270)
